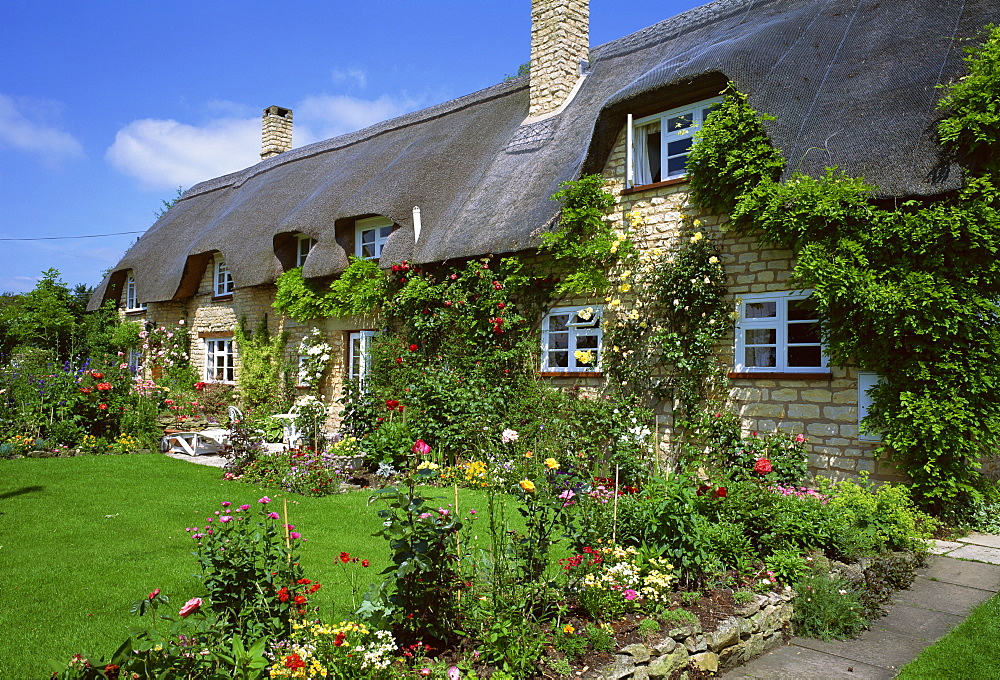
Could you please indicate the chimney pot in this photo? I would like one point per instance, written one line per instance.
(560, 44)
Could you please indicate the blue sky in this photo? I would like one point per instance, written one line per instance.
(107, 107)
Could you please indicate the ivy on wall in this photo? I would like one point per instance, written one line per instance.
(909, 291)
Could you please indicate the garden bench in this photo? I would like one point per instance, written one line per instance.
(211, 441)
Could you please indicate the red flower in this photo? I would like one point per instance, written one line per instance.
(345, 557)
(95, 375)
(103, 407)
(365, 563)
(86, 390)
(721, 492)
(413, 348)
(294, 661)
(497, 285)
(104, 386)
(303, 581)
(111, 671)
(391, 404)
(420, 447)
(703, 489)
(300, 599)
(315, 587)
(762, 466)
(200, 385)
(283, 595)
(154, 593)
(168, 401)
(399, 360)
(453, 277)
(190, 607)
(501, 305)
(339, 640)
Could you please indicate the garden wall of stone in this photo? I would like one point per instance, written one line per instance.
(755, 628)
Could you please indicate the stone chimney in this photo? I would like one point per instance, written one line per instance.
(560, 45)
(276, 132)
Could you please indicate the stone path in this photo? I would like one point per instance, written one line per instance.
(941, 597)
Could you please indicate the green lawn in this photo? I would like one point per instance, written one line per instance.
(82, 538)
(969, 652)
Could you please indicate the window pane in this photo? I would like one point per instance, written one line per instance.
(557, 322)
(586, 342)
(809, 356)
(653, 151)
(761, 310)
(800, 333)
(761, 357)
(368, 236)
(680, 122)
(804, 310)
(368, 251)
(761, 336)
(558, 359)
(385, 231)
(679, 146)
(559, 340)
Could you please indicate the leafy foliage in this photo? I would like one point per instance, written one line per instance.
(358, 290)
(265, 378)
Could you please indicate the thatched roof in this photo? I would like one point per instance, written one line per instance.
(852, 83)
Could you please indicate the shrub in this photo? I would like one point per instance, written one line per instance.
(884, 514)
(827, 608)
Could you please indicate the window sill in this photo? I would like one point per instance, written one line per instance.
(571, 374)
(135, 312)
(228, 297)
(655, 185)
(781, 376)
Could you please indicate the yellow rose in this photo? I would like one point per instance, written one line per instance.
(697, 237)
(528, 485)
(551, 463)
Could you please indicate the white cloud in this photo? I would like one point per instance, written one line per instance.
(165, 153)
(326, 116)
(17, 284)
(356, 74)
(24, 127)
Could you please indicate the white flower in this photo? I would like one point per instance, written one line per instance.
(508, 436)
(586, 314)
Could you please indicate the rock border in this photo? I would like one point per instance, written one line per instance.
(756, 628)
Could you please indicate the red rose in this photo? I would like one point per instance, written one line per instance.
(154, 593)
(413, 348)
(103, 407)
(762, 466)
(501, 305)
(399, 360)
(453, 277)
(721, 492)
(391, 404)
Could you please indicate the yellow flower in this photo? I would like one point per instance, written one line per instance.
(697, 237)
(615, 302)
(527, 485)
(584, 356)
(625, 287)
(713, 260)
(551, 463)
(568, 629)
(528, 454)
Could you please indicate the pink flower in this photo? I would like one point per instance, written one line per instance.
(295, 535)
(630, 594)
(799, 438)
(154, 593)
(273, 515)
(226, 504)
(265, 499)
(225, 518)
(244, 507)
(454, 673)
(190, 607)
(425, 671)
(421, 447)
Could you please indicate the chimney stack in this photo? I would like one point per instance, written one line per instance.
(560, 46)
(276, 132)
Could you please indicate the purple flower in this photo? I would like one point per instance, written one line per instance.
(225, 518)
(265, 499)
(244, 507)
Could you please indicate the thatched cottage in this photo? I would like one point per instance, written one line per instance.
(851, 83)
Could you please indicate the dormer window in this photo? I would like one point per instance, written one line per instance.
(370, 236)
(305, 244)
(223, 279)
(659, 144)
(132, 303)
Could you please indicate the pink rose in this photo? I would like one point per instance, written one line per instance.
(421, 447)
(154, 593)
(190, 607)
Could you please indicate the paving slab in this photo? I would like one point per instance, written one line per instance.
(942, 597)
(978, 553)
(916, 622)
(987, 540)
(960, 572)
(875, 647)
(797, 663)
(214, 461)
(941, 547)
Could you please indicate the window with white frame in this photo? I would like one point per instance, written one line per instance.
(220, 360)
(132, 303)
(135, 361)
(223, 279)
(571, 339)
(779, 333)
(305, 244)
(359, 354)
(659, 144)
(370, 235)
(866, 381)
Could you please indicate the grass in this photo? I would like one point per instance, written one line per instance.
(969, 652)
(82, 538)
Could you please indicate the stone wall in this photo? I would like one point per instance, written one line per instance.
(756, 628)
(276, 132)
(823, 407)
(559, 42)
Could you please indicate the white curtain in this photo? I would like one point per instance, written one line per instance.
(640, 150)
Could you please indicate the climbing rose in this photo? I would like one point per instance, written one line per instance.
(413, 348)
